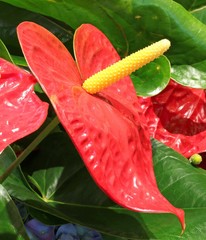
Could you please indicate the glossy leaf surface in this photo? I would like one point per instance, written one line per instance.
(177, 117)
(11, 225)
(191, 5)
(111, 138)
(200, 14)
(152, 78)
(9, 22)
(22, 112)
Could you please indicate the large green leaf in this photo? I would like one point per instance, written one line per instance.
(63, 189)
(11, 225)
(134, 24)
(11, 16)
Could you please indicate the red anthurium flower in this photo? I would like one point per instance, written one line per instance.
(107, 128)
(22, 112)
(177, 117)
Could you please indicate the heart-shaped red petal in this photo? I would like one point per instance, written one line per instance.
(107, 129)
(22, 112)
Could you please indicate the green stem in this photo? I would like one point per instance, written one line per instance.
(30, 148)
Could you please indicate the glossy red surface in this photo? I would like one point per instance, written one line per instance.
(177, 117)
(108, 129)
(22, 112)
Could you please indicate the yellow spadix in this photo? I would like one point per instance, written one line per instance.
(125, 67)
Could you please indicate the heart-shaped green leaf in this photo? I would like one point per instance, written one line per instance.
(52, 172)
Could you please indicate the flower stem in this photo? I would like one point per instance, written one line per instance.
(29, 149)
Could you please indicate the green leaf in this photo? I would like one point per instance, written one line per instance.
(182, 183)
(56, 170)
(200, 14)
(9, 22)
(11, 225)
(17, 60)
(20, 61)
(190, 5)
(195, 228)
(152, 78)
(6, 159)
(4, 53)
(193, 75)
(15, 184)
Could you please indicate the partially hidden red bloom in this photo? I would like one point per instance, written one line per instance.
(108, 128)
(177, 117)
(22, 112)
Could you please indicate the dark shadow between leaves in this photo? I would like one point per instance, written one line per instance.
(8, 236)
